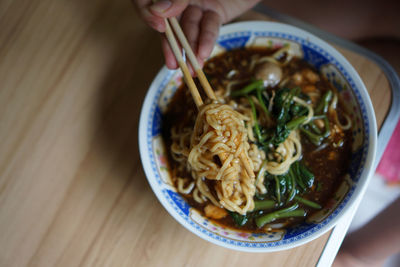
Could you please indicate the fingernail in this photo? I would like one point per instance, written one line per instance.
(205, 53)
(161, 6)
(201, 61)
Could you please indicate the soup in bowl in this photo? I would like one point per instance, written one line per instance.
(280, 155)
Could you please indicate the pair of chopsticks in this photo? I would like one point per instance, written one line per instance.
(200, 74)
(192, 58)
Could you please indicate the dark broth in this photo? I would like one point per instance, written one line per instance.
(328, 165)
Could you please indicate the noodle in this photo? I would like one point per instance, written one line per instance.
(181, 189)
(332, 110)
(274, 58)
(219, 132)
(290, 149)
(260, 179)
(310, 109)
(198, 197)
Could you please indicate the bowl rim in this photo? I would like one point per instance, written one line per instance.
(368, 119)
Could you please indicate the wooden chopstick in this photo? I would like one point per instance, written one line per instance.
(185, 70)
(192, 58)
(200, 74)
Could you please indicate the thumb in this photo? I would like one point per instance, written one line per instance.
(168, 8)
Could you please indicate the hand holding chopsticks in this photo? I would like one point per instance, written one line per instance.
(182, 64)
(202, 19)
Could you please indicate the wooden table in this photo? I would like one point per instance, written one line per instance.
(73, 75)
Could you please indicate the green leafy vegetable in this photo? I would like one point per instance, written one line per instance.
(288, 116)
(259, 84)
(314, 134)
(314, 138)
(307, 202)
(293, 190)
(315, 128)
(264, 205)
(239, 219)
(306, 176)
(293, 124)
(324, 103)
(291, 211)
(256, 125)
(282, 102)
(277, 189)
(261, 101)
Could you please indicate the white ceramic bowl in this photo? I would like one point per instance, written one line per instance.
(331, 64)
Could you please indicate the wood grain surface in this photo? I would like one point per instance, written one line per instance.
(73, 75)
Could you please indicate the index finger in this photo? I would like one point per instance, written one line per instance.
(210, 24)
(168, 8)
(142, 7)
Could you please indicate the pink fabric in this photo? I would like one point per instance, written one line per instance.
(389, 167)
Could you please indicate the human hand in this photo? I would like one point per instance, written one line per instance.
(200, 21)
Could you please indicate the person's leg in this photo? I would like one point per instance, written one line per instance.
(375, 242)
